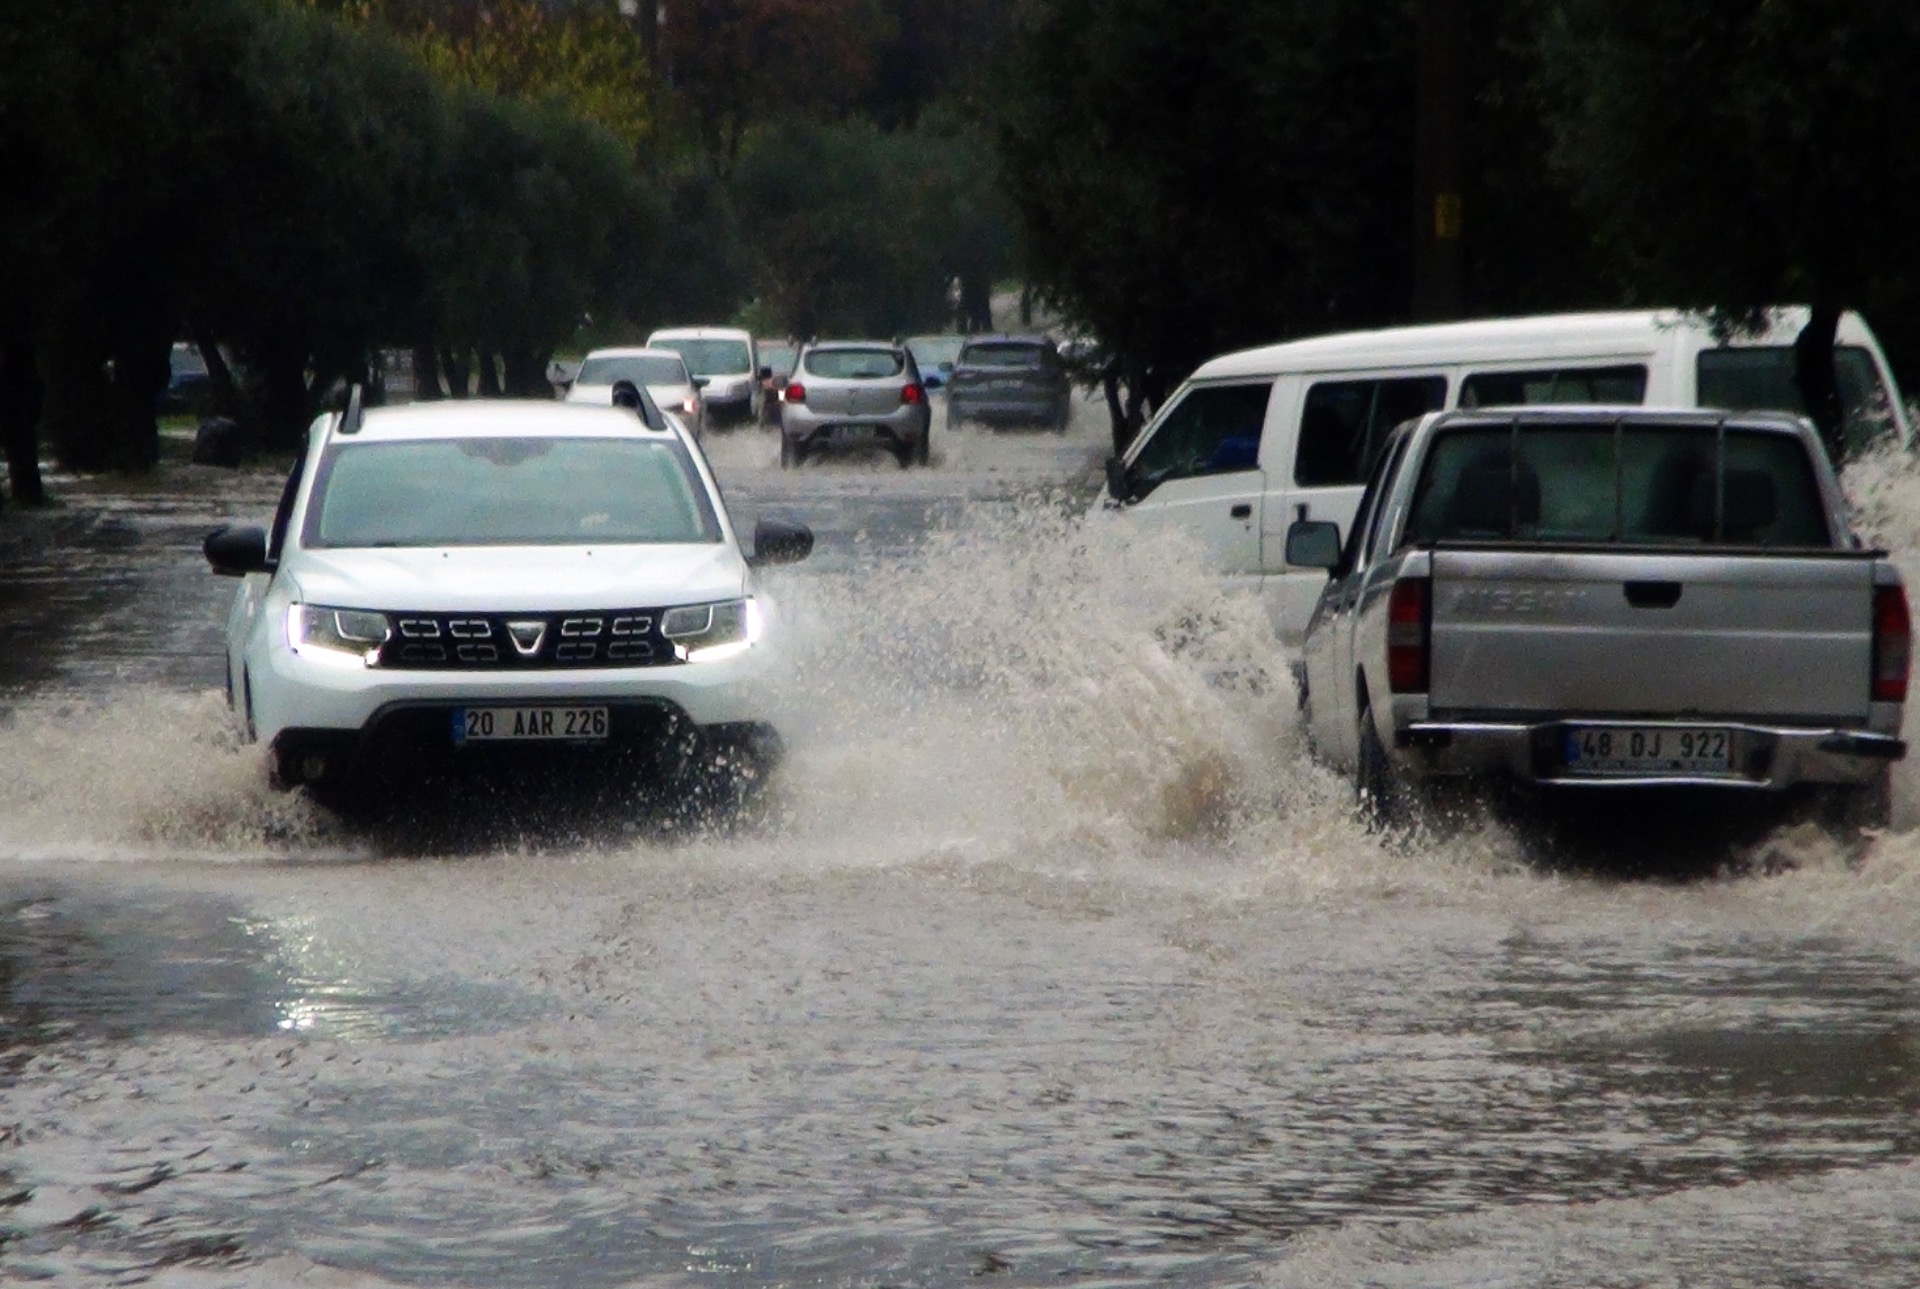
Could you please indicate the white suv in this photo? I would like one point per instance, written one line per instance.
(473, 580)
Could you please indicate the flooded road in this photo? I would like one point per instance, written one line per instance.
(1052, 959)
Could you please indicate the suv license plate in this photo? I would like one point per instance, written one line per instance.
(508, 724)
(1658, 749)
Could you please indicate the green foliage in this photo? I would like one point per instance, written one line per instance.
(1737, 153)
(1198, 177)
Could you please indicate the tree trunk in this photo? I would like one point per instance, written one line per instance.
(226, 394)
(454, 362)
(976, 303)
(283, 395)
(21, 399)
(426, 372)
(526, 373)
(1819, 386)
(489, 374)
(140, 372)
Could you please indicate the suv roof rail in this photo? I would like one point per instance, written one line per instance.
(355, 411)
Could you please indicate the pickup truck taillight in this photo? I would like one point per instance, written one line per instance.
(1408, 624)
(1892, 644)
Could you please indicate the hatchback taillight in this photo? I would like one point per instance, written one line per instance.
(1408, 629)
(912, 394)
(794, 393)
(1892, 644)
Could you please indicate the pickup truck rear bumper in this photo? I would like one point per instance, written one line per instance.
(1765, 757)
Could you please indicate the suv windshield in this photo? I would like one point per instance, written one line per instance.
(1670, 485)
(508, 492)
(641, 369)
(711, 357)
(854, 364)
(1002, 354)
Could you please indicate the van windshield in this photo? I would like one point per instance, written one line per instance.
(1750, 378)
(1667, 485)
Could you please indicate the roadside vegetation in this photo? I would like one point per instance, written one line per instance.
(303, 186)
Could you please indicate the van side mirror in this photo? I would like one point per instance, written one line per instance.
(776, 541)
(1313, 543)
(236, 552)
(701, 382)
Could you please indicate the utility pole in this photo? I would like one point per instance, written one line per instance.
(1439, 167)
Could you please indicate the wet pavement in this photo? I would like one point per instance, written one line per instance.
(1052, 959)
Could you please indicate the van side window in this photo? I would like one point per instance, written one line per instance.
(1215, 429)
(1345, 422)
(1761, 378)
(1626, 384)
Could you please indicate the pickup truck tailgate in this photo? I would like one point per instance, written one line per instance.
(1518, 631)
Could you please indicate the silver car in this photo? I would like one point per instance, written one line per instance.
(661, 372)
(848, 394)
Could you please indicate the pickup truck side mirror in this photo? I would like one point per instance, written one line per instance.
(1313, 543)
(236, 552)
(776, 541)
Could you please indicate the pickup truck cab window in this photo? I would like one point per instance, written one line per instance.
(1344, 423)
(1662, 484)
(1214, 429)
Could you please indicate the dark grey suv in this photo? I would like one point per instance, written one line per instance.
(1010, 380)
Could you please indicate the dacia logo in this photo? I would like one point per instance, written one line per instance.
(527, 637)
(1487, 601)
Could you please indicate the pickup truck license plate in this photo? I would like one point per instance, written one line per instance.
(1628, 749)
(508, 724)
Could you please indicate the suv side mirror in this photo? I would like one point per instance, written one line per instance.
(776, 541)
(1313, 543)
(236, 552)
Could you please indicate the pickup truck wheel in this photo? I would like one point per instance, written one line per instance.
(1846, 811)
(1385, 799)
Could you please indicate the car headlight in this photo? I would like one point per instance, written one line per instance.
(339, 633)
(710, 632)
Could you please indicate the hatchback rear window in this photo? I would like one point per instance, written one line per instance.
(1667, 485)
(1003, 354)
(855, 364)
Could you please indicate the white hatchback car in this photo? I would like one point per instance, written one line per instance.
(465, 581)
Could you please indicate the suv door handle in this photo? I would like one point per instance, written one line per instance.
(1242, 511)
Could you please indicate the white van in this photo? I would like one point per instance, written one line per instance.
(1258, 439)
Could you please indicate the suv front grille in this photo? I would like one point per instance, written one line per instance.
(526, 641)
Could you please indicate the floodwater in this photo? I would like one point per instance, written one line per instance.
(1050, 959)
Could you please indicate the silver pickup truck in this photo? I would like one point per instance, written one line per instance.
(1597, 599)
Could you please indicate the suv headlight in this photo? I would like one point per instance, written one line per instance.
(358, 633)
(710, 632)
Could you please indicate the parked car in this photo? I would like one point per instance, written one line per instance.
(452, 582)
(661, 372)
(1256, 439)
(1599, 599)
(1010, 381)
(935, 356)
(861, 393)
(728, 359)
(776, 360)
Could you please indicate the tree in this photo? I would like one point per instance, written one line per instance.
(735, 64)
(1740, 153)
(1195, 178)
